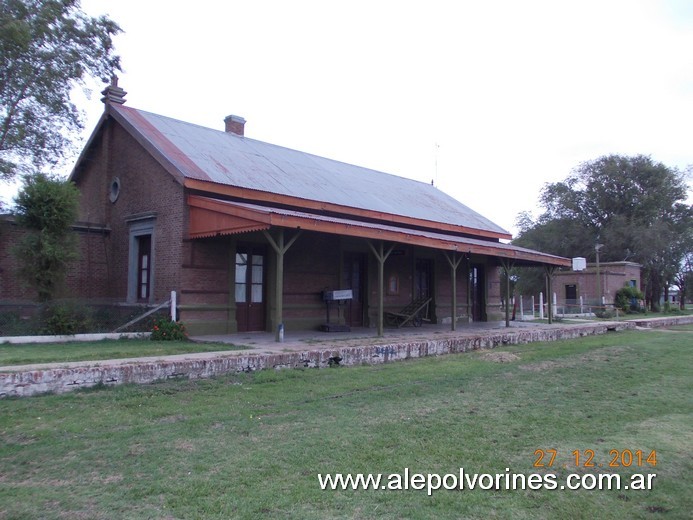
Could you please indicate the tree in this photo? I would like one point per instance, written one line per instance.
(683, 279)
(47, 47)
(634, 206)
(46, 207)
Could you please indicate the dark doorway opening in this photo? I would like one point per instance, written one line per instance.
(354, 278)
(571, 293)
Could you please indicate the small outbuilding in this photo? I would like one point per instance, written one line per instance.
(595, 281)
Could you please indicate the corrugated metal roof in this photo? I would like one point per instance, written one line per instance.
(225, 158)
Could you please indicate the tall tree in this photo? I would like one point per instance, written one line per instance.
(47, 47)
(634, 206)
(46, 207)
(683, 279)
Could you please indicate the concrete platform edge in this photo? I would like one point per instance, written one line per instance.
(34, 380)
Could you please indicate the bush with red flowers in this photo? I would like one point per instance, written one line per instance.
(166, 330)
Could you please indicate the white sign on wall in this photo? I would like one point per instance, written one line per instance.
(579, 264)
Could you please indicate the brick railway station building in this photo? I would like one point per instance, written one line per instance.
(251, 234)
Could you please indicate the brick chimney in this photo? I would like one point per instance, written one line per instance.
(113, 93)
(235, 125)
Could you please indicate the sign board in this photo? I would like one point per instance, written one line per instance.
(579, 264)
(344, 294)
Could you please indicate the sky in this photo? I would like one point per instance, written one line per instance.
(490, 100)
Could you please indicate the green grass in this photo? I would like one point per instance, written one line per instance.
(688, 327)
(251, 445)
(24, 354)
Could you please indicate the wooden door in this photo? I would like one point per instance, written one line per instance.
(423, 279)
(250, 289)
(477, 286)
(144, 267)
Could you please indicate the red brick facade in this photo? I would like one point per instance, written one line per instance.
(87, 276)
(127, 194)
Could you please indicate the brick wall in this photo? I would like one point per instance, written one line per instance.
(613, 276)
(204, 285)
(86, 276)
(146, 188)
(313, 264)
(11, 286)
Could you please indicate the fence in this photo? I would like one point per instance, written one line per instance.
(74, 316)
(527, 308)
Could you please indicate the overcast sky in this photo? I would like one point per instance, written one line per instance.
(489, 99)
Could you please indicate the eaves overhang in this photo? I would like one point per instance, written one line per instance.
(277, 199)
(213, 217)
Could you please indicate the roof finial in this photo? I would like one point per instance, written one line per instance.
(113, 93)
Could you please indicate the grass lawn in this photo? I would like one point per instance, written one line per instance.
(24, 354)
(252, 445)
(688, 327)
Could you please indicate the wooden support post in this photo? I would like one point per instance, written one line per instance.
(454, 264)
(468, 265)
(549, 270)
(279, 248)
(507, 266)
(381, 256)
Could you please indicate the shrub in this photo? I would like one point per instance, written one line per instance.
(166, 330)
(627, 298)
(605, 314)
(46, 207)
(66, 319)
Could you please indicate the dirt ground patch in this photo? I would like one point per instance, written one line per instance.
(605, 354)
(499, 357)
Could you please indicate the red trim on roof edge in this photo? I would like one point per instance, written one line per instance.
(251, 196)
(264, 217)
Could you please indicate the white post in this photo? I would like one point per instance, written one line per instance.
(582, 311)
(173, 306)
(541, 305)
(533, 307)
(555, 306)
(522, 311)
